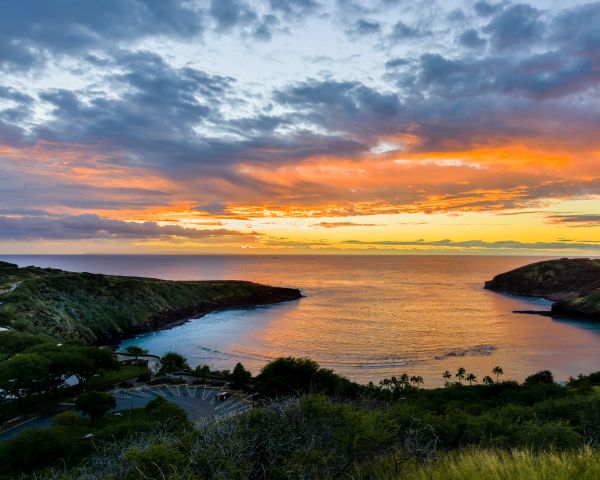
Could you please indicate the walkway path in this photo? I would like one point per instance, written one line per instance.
(153, 360)
(2, 292)
(12, 288)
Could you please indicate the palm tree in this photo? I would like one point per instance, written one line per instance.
(385, 384)
(460, 374)
(488, 380)
(471, 378)
(417, 380)
(447, 376)
(497, 371)
(404, 380)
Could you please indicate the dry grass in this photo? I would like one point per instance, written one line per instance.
(516, 465)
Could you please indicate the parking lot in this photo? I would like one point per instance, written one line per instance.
(201, 403)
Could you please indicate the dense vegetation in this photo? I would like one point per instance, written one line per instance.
(312, 423)
(72, 438)
(33, 364)
(572, 283)
(99, 308)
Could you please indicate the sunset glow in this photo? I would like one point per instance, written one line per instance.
(301, 127)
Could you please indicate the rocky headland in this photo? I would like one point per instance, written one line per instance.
(573, 284)
(106, 308)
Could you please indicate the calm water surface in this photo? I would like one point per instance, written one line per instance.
(366, 317)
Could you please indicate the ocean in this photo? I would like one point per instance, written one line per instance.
(367, 317)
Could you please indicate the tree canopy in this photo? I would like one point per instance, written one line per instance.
(95, 404)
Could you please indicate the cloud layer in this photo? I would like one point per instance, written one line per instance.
(137, 110)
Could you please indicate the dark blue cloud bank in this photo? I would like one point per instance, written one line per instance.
(454, 75)
(88, 226)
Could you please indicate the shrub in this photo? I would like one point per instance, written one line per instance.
(144, 376)
(35, 448)
(555, 435)
(156, 461)
(544, 377)
(161, 409)
(296, 376)
(240, 376)
(69, 418)
(173, 362)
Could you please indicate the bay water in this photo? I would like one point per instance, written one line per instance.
(367, 317)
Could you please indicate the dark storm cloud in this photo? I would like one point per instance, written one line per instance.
(11, 134)
(185, 124)
(295, 9)
(467, 101)
(395, 63)
(350, 107)
(550, 74)
(27, 190)
(20, 110)
(364, 27)
(346, 97)
(401, 31)
(89, 226)
(32, 29)
(485, 9)
(471, 39)
(578, 29)
(266, 27)
(153, 121)
(243, 15)
(460, 97)
(229, 13)
(519, 25)
(160, 106)
(9, 93)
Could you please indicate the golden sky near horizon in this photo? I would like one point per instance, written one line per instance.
(301, 127)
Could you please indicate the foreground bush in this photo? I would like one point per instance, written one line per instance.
(343, 432)
(314, 437)
(297, 376)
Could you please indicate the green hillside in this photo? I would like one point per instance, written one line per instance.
(572, 283)
(101, 308)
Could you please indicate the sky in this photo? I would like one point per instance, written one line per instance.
(300, 126)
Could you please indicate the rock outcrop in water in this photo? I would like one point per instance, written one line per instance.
(105, 308)
(572, 284)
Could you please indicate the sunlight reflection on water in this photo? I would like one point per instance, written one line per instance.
(366, 317)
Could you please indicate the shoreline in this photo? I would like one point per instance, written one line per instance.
(571, 284)
(114, 344)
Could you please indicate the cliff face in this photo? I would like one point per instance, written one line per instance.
(573, 284)
(103, 308)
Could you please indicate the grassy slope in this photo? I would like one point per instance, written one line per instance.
(516, 465)
(98, 308)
